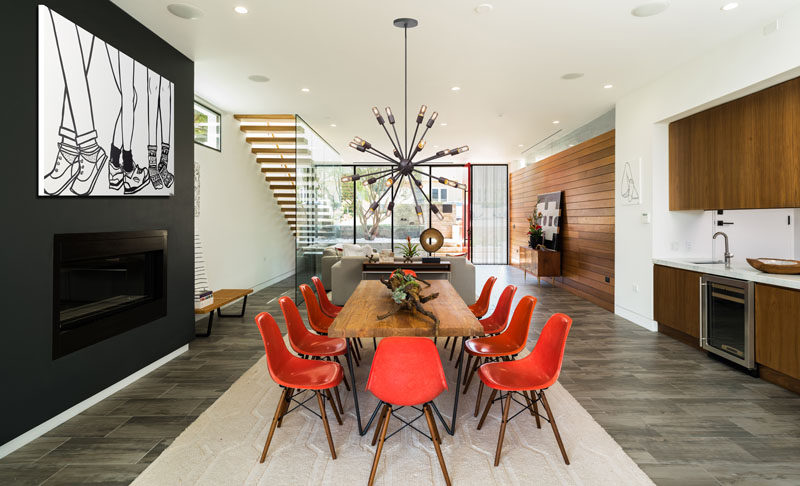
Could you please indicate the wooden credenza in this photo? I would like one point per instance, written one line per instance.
(540, 263)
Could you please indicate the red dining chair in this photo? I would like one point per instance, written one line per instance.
(326, 305)
(505, 345)
(531, 375)
(308, 344)
(496, 322)
(410, 272)
(318, 320)
(481, 306)
(294, 375)
(406, 372)
(479, 309)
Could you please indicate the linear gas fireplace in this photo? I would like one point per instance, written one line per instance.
(105, 284)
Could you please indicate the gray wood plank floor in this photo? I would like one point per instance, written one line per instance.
(684, 418)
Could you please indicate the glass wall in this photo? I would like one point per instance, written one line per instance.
(373, 229)
(411, 211)
(451, 202)
(490, 214)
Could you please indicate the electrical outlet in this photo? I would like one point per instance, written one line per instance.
(635, 287)
(688, 245)
(674, 246)
(608, 279)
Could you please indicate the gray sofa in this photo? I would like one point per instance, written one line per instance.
(346, 275)
(329, 257)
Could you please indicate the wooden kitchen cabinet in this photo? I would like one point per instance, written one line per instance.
(676, 303)
(743, 154)
(777, 323)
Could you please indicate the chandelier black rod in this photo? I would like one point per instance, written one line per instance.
(402, 154)
(416, 147)
(381, 154)
(423, 192)
(432, 157)
(405, 114)
(396, 147)
(380, 172)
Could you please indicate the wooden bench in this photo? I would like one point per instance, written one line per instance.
(223, 297)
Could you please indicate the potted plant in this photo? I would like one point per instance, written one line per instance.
(535, 234)
(409, 250)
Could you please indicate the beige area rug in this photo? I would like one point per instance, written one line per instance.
(223, 445)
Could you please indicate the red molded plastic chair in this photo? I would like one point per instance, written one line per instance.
(496, 322)
(410, 272)
(326, 305)
(319, 321)
(406, 372)
(481, 306)
(308, 344)
(296, 375)
(532, 375)
(505, 345)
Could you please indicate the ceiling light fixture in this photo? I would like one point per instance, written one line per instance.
(443, 124)
(258, 78)
(185, 11)
(240, 10)
(333, 125)
(404, 153)
(455, 88)
(608, 86)
(556, 122)
(649, 9)
(484, 8)
(305, 90)
(727, 6)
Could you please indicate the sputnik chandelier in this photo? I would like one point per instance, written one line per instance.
(404, 166)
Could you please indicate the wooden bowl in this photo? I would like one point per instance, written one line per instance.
(775, 265)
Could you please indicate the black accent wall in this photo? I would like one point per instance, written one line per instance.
(33, 386)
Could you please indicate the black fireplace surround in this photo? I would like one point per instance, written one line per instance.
(105, 284)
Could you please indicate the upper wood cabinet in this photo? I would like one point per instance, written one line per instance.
(744, 154)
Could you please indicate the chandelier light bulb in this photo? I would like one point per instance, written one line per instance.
(389, 115)
(436, 212)
(377, 113)
(347, 179)
(390, 207)
(421, 145)
(389, 182)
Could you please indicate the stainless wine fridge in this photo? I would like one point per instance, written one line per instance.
(726, 319)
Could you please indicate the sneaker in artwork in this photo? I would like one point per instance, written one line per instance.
(163, 163)
(91, 164)
(136, 180)
(116, 176)
(152, 167)
(63, 173)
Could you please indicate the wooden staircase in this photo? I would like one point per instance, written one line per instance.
(282, 150)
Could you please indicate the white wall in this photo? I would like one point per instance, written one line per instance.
(246, 240)
(756, 233)
(738, 67)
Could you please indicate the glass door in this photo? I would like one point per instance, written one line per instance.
(728, 330)
(489, 214)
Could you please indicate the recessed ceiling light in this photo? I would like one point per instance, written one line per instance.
(305, 90)
(333, 125)
(484, 8)
(520, 145)
(649, 9)
(608, 86)
(185, 11)
(455, 88)
(729, 6)
(572, 76)
(556, 122)
(240, 10)
(443, 124)
(258, 78)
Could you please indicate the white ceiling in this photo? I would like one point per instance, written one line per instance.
(508, 62)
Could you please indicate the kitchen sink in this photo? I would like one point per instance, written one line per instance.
(707, 262)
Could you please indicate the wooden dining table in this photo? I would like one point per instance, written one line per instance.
(359, 319)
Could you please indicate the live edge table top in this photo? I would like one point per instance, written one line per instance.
(371, 298)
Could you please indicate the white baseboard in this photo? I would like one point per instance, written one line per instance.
(273, 280)
(637, 319)
(67, 414)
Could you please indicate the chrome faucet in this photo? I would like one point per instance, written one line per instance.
(727, 250)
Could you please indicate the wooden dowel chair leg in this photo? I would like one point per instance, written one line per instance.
(286, 402)
(535, 411)
(472, 373)
(380, 444)
(502, 430)
(378, 426)
(278, 409)
(488, 406)
(338, 399)
(555, 427)
(333, 406)
(325, 423)
(344, 378)
(478, 400)
(435, 435)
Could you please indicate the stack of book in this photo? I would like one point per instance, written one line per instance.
(203, 299)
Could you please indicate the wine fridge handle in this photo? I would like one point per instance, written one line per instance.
(703, 312)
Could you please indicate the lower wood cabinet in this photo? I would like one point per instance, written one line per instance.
(676, 302)
(777, 322)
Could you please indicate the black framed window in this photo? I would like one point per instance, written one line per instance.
(207, 127)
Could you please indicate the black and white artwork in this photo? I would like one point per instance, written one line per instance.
(630, 183)
(548, 212)
(105, 120)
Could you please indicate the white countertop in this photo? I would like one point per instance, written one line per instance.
(737, 270)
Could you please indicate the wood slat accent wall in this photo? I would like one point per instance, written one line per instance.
(585, 173)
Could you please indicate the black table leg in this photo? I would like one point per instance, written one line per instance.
(361, 430)
(241, 314)
(452, 428)
(208, 331)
